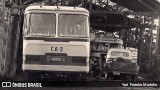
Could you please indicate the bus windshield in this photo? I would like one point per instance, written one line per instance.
(73, 25)
(42, 24)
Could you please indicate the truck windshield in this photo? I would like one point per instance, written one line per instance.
(117, 53)
(73, 25)
(42, 24)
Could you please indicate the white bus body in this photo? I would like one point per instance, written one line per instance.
(56, 38)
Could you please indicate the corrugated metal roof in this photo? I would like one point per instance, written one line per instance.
(134, 5)
(114, 22)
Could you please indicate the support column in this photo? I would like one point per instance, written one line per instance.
(158, 39)
(125, 39)
(120, 34)
(140, 44)
(90, 5)
(150, 50)
(140, 47)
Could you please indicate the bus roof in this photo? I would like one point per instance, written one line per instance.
(55, 8)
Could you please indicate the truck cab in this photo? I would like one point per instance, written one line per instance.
(114, 53)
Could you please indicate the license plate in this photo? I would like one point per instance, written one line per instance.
(116, 73)
(56, 59)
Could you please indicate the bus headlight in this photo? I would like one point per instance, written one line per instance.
(32, 57)
(81, 60)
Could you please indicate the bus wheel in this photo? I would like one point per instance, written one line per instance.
(31, 76)
(74, 77)
(27, 75)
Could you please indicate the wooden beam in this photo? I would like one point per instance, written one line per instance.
(112, 25)
(118, 25)
(124, 13)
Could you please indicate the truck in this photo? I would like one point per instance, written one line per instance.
(120, 65)
(101, 42)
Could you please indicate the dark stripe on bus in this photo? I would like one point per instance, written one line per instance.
(57, 39)
(67, 60)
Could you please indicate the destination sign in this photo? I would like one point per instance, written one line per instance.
(106, 39)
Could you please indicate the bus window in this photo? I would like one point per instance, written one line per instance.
(42, 24)
(73, 25)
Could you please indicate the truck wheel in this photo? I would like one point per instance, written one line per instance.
(134, 77)
(109, 76)
(129, 78)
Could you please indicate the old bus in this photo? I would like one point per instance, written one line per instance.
(56, 39)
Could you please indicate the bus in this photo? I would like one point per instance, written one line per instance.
(56, 39)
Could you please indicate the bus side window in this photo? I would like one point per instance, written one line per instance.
(25, 31)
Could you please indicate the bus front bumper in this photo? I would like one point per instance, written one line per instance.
(56, 68)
